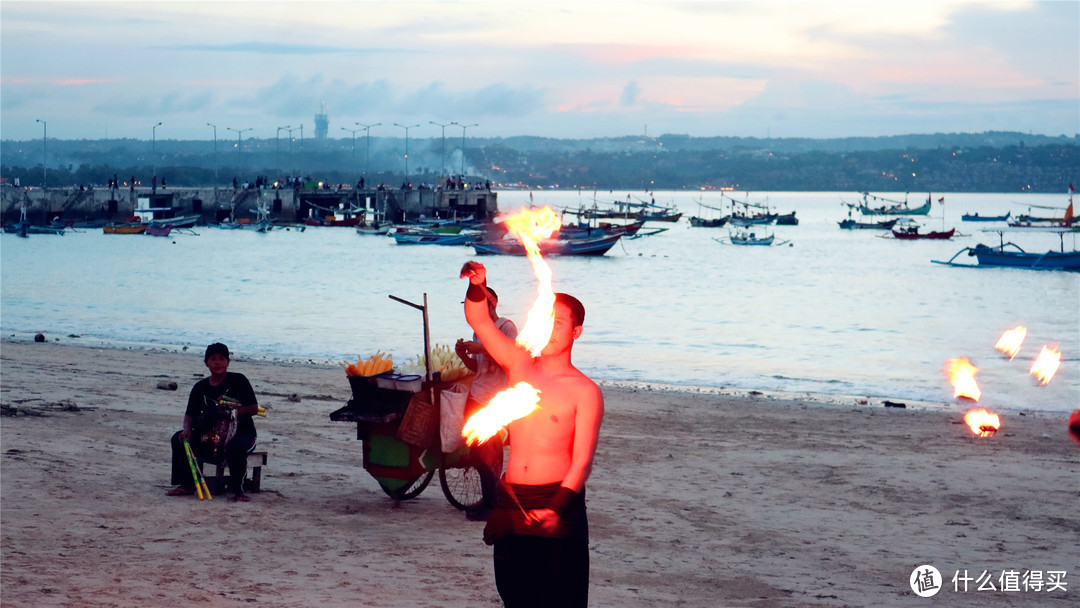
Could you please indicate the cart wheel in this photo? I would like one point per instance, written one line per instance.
(461, 485)
(410, 491)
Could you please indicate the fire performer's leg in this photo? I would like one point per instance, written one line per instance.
(181, 470)
(534, 571)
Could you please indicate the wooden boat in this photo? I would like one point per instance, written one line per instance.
(373, 228)
(850, 224)
(124, 228)
(584, 231)
(1010, 255)
(423, 237)
(897, 207)
(750, 238)
(975, 217)
(758, 219)
(588, 246)
(716, 222)
(787, 219)
(912, 233)
(156, 230)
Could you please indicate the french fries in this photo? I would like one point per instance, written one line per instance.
(374, 365)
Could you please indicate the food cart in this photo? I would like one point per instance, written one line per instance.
(397, 419)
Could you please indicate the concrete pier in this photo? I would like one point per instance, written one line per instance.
(285, 204)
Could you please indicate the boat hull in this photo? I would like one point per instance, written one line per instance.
(853, 225)
(911, 236)
(582, 247)
(1051, 260)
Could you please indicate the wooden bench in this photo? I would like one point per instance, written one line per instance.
(255, 463)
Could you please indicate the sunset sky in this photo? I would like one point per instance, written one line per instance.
(553, 69)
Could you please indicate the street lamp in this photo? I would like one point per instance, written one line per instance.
(215, 161)
(353, 131)
(367, 132)
(406, 147)
(153, 148)
(277, 142)
(463, 127)
(443, 174)
(44, 152)
(239, 132)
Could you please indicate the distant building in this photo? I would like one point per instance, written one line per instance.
(322, 124)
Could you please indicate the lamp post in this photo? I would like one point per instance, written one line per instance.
(239, 142)
(463, 127)
(443, 127)
(406, 147)
(215, 161)
(277, 142)
(367, 133)
(353, 131)
(153, 149)
(44, 152)
(290, 130)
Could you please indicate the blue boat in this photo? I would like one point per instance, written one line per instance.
(1010, 255)
(975, 217)
(586, 246)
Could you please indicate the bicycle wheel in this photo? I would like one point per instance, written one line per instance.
(412, 490)
(461, 486)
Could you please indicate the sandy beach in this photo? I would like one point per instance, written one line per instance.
(695, 500)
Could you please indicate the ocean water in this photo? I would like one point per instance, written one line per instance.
(837, 313)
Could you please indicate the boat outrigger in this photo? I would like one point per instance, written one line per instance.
(1011, 255)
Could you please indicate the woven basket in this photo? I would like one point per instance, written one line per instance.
(420, 425)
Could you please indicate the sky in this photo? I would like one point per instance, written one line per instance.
(584, 69)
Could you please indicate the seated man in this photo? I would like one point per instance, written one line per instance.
(217, 423)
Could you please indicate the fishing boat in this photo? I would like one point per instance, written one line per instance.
(1027, 221)
(709, 222)
(588, 246)
(424, 237)
(896, 207)
(124, 228)
(975, 217)
(1011, 255)
(704, 222)
(850, 224)
(157, 230)
(745, 217)
(750, 238)
(375, 228)
(787, 219)
(599, 229)
(911, 233)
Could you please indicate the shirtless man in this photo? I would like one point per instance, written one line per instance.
(539, 529)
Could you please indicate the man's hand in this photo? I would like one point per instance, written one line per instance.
(475, 272)
(546, 519)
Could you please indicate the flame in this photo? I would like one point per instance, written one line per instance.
(530, 226)
(504, 408)
(961, 373)
(1046, 364)
(982, 422)
(1009, 343)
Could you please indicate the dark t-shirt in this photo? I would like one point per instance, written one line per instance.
(204, 397)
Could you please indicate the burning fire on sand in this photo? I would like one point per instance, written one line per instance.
(528, 226)
(961, 373)
(982, 422)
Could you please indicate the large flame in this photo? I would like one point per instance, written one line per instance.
(1009, 343)
(527, 226)
(530, 226)
(961, 373)
(982, 422)
(504, 408)
(1046, 364)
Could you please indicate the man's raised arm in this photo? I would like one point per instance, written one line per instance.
(501, 348)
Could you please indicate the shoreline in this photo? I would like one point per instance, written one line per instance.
(694, 500)
(763, 395)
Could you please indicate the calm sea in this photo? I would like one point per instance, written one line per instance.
(833, 312)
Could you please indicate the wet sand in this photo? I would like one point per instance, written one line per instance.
(695, 499)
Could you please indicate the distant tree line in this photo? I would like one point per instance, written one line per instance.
(989, 162)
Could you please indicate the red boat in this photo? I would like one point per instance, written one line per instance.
(912, 233)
